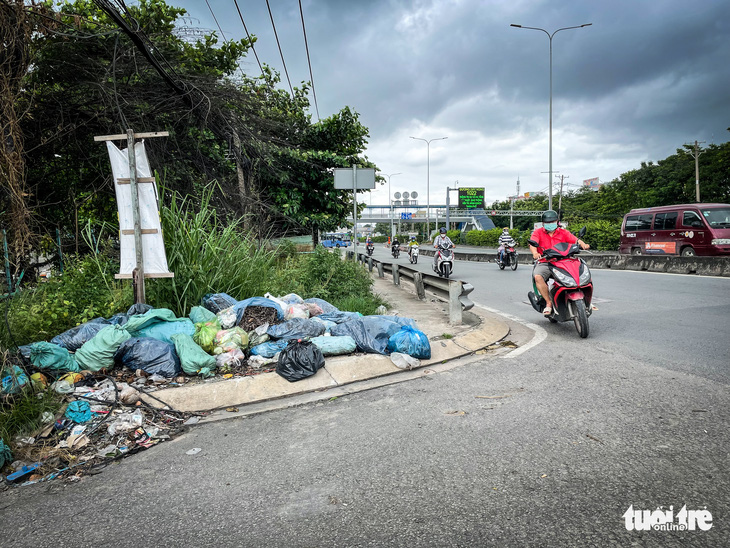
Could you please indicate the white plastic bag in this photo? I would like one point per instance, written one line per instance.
(296, 311)
(404, 361)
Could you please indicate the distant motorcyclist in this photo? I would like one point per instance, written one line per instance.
(396, 243)
(413, 243)
(505, 240)
(439, 240)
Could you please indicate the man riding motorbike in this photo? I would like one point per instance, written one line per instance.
(441, 239)
(396, 243)
(546, 237)
(411, 244)
(504, 240)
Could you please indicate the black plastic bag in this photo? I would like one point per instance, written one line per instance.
(74, 338)
(150, 355)
(215, 302)
(299, 360)
(139, 308)
(297, 328)
(371, 333)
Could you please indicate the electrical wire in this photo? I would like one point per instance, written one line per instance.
(281, 53)
(248, 36)
(306, 46)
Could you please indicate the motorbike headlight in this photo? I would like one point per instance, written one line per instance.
(563, 278)
(585, 274)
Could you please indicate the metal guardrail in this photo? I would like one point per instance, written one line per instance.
(454, 292)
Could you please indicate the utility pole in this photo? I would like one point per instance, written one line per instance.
(448, 204)
(560, 199)
(696, 153)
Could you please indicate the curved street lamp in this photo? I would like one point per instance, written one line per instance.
(428, 176)
(550, 36)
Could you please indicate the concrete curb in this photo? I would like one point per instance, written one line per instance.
(337, 372)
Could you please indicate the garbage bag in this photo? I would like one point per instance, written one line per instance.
(150, 355)
(6, 455)
(277, 300)
(215, 302)
(335, 346)
(269, 349)
(193, 359)
(299, 360)
(139, 308)
(313, 309)
(230, 360)
(75, 337)
(49, 356)
(371, 334)
(340, 316)
(400, 320)
(98, 353)
(13, 380)
(410, 341)
(292, 298)
(158, 323)
(227, 318)
(230, 339)
(328, 325)
(240, 307)
(324, 305)
(296, 311)
(200, 314)
(296, 328)
(404, 361)
(205, 335)
(258, 336)
(120, 318)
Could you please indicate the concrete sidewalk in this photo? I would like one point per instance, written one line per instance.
(480, 329)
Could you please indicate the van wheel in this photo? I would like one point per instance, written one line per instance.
(636, 251)
(688, 252)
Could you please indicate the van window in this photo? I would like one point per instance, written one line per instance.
(638, 222)
(665, 221)
(717, 217)
(690, 217)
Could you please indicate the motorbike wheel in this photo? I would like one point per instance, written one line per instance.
(415, 260)
(501, 266)
(513, 263)
(580, 318)
(447, 271)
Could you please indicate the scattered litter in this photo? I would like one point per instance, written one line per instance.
(193, 451)
(232, 409)
(455, 413)
(191, 421)
(404, 361)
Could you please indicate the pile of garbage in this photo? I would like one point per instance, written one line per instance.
(103, 365)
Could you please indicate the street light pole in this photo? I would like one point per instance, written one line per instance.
(390, 202)
(550, 36)
(428, 177)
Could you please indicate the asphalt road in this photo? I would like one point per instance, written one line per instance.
(547, 448)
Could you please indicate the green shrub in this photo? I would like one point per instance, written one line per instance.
(601, 235)
(21, 414)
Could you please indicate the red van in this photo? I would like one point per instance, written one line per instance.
(686, 230)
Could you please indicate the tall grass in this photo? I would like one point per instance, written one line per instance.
(208, 254)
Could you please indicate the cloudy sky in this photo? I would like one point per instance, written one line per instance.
(646, 77)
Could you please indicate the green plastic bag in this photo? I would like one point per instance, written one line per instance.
(98, 353)
(205, 335)
(5, 454)
(140, 321)
(160, 324)
(193, 359)
(200, 314)
(227, 340)
(49, 356)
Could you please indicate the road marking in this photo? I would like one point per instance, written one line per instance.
(540, 333)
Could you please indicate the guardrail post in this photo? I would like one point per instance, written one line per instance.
(370, 264)
(396, 274)
(454, 302)
(381, 273)
(418, 282)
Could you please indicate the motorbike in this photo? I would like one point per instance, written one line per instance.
(509, 257)
(413, 254)
(369, 248)
(444, 260)
(396, 251)
(570, 286)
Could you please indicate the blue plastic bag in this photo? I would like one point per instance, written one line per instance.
(79, 411)
(49, 356)
(339, 316)
(296, 328)
(215, 302)
(160, 324)
(269, 349)
(371, 333)
(74, 338)
(150, 355)
(335, 346)
(400, 320)
(13, 381)
(240, 307)
(412, 342)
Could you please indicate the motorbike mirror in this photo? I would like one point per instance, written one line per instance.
(533, 243)
(582, 232)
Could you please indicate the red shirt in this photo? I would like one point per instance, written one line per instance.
(546, 241)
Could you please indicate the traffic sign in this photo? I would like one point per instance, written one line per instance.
(406, 216)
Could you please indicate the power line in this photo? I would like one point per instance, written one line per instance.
(222, 35)
(279, 45)
(309, 61)
(248, 36)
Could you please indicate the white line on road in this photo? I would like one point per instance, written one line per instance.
(540, 333)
